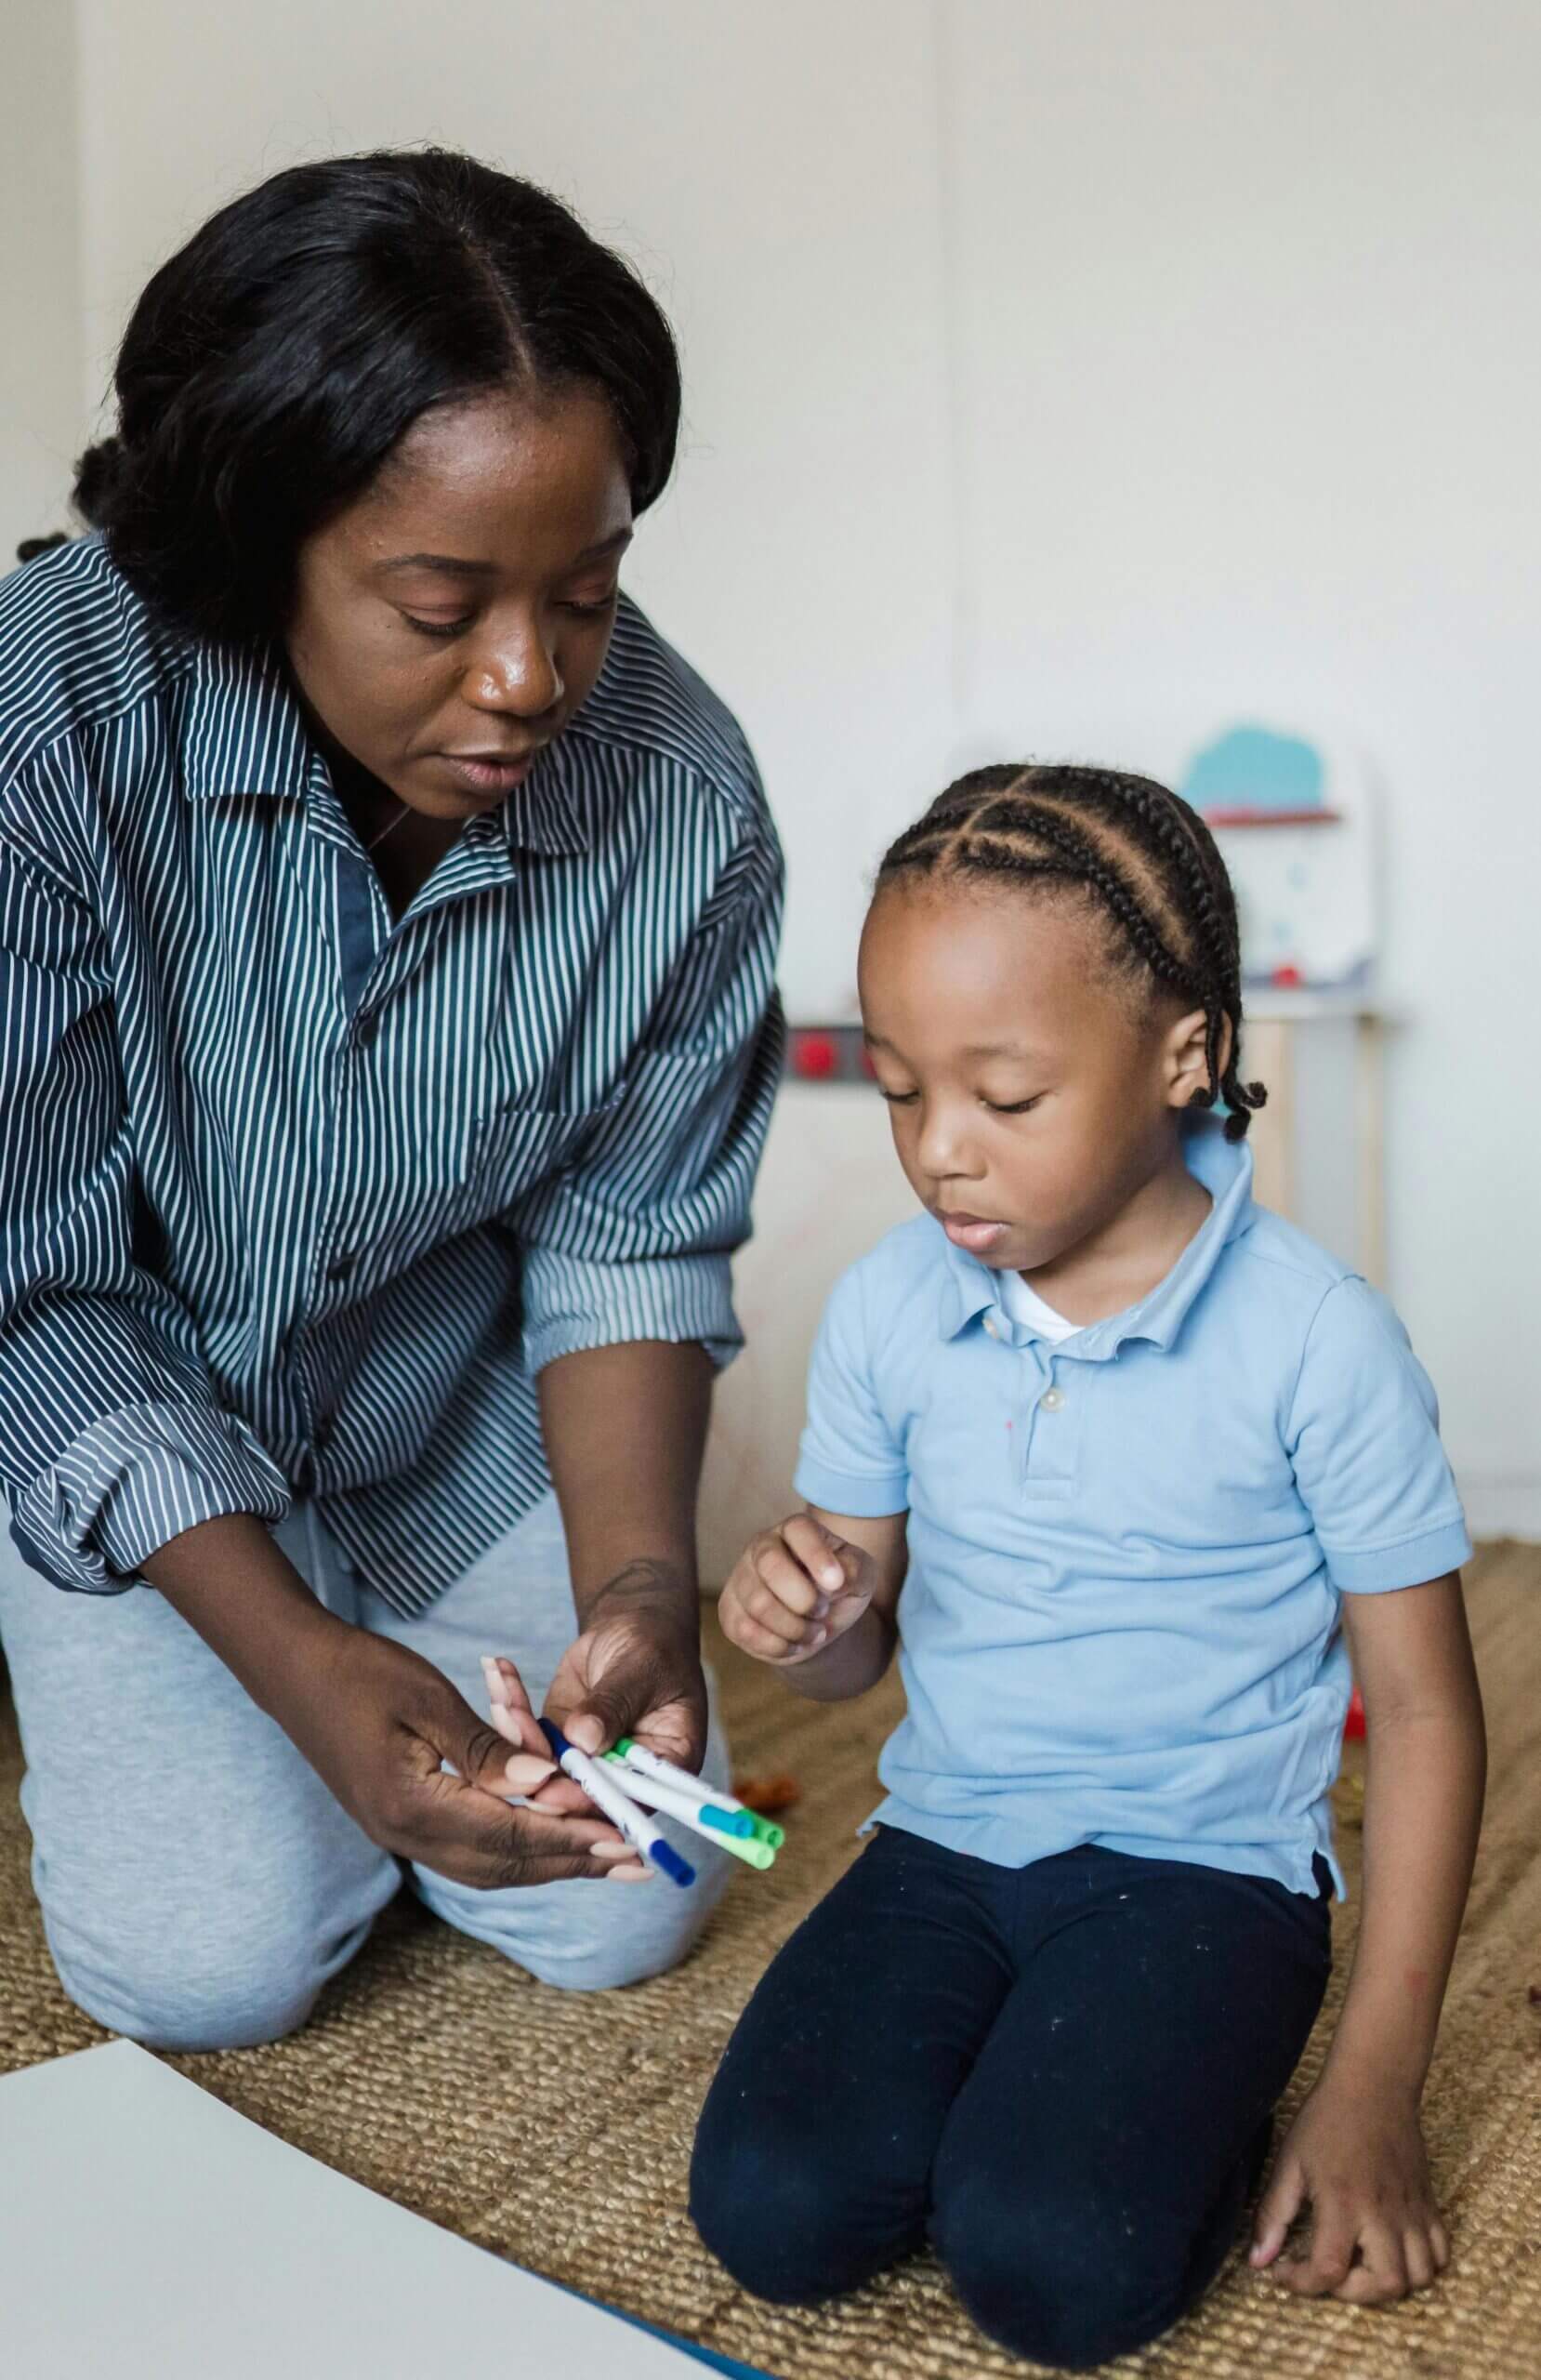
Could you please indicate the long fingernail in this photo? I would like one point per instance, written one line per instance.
(527, 1770)
(820, 1608)
(819, 1637)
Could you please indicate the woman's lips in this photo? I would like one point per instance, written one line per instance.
(485, 777)
(973, 1233)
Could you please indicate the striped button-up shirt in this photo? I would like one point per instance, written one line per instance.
(297, 1200)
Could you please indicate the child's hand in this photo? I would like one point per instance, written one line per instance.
(795, 1590)
(1356, 2153)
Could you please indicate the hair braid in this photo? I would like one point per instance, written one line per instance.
(1140, 853)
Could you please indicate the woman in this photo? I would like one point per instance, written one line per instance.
(386, 1042)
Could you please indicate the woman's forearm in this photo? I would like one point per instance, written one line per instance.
(625, 1431)
(1422, 1813)
(227, 1579)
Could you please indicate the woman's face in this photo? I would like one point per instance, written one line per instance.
(448, 623)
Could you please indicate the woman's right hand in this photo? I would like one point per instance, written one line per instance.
(795, 1590)
(378, 1723)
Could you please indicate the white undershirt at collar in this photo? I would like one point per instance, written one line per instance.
(1025, 1307)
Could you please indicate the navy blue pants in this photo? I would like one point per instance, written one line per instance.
(1063, 2075)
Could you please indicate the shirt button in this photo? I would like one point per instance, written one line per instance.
(991, 1327)
(365, 1030)
(340, 1267)
(1052, 1400)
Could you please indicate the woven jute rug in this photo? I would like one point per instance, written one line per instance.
(556, 2129)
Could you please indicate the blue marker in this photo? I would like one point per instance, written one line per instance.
(641, 1831)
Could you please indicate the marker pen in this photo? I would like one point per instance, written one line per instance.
(685, 1812)
(719, 1810)
(619, 1808)
(684, 1780)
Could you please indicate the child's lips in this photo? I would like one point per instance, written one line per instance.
(974, 1233)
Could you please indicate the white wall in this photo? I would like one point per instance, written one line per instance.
(1064, 376)
(40, 412)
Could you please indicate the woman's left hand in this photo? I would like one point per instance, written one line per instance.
(635, 1671)
(1355, 2151)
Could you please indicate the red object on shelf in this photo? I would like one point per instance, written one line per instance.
(1287, 979)
(1242, 816)
(815, 1056)
(1353, 1725)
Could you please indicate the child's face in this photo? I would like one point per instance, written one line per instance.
(1032, 1096)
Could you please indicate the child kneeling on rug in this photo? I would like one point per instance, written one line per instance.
(1127, 1467)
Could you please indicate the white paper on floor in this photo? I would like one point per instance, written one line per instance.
(148, 2232)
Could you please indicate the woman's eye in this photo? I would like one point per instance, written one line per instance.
(897, 1098)
(1013, 1107)
(436, 628)
(592, 607)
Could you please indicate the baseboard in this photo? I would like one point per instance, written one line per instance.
(1502, 1504)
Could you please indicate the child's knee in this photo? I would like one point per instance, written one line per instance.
(1070, 2286)
(778, 2201)
(772, 2209)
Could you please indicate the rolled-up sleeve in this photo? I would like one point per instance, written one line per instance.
(635, 1240)
(111, 1440)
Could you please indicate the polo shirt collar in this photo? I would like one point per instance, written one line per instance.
(244, 733)
(1224, 1168)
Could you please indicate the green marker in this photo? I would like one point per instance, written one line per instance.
(683, 1780)
(688, 1809)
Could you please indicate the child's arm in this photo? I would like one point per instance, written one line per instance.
(817, 1597)
(1355, 2150)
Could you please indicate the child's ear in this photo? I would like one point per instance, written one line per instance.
(1186, 1059)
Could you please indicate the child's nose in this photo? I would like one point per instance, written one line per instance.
(943, 1148)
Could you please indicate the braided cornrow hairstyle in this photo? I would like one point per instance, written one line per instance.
(1138, 852)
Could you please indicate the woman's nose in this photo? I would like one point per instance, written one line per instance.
(518, 674)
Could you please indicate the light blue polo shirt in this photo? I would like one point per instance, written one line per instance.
(1127, 1551)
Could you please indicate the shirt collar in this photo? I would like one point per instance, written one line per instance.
(244, 733)
(241, 730)
(1224, 1168)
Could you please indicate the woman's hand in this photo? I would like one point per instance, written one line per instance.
(1355, 2152)
(795, 1590)
(635, 1671)
(378, 1723)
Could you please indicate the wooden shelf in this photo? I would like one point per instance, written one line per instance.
(1223, 819)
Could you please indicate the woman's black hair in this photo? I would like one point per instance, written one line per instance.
(269, 367)
(1140, 852)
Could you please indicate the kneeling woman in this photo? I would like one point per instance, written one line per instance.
(386, 931)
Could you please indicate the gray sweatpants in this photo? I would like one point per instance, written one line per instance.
(198, 1881)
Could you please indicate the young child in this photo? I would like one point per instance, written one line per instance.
(1119, 1460)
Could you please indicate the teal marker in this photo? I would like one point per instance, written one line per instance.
(721, 1822)
(683, 1780)
(686, 1810)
